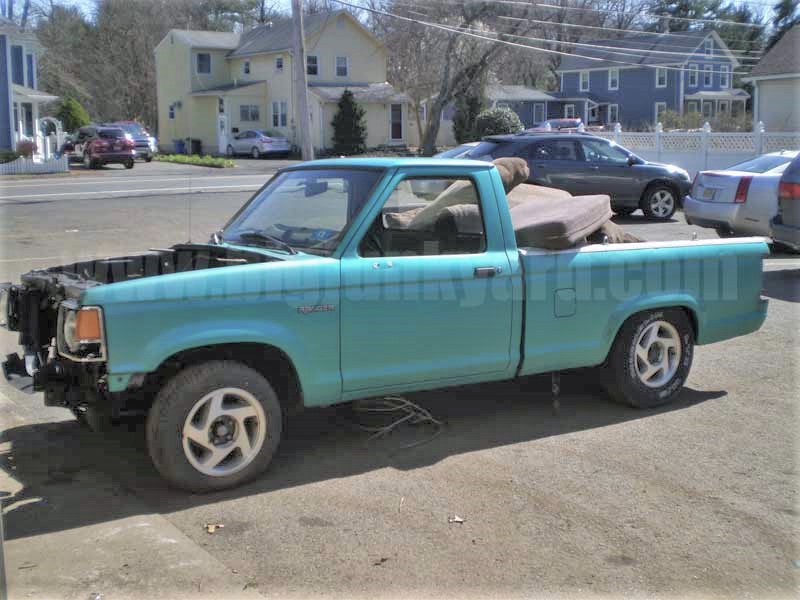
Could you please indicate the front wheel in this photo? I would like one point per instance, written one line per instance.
(229, 151)
(213, 426)
(256, 153)
(650, 359)
(148, 158)
(659, 202)
(129, 163)
(88, 163)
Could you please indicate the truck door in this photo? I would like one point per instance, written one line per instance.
(426, 287)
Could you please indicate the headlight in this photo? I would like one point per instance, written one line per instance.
(81, 335)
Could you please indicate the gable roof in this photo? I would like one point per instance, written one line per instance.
(783, 58)
(644, 49)
(213, 40)
(273, 38)
(515, 93)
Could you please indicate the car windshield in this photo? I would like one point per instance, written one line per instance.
(308, 209)
(489, 150)
(762, 164)
(132, 128)
(455, 152)
(111, 134)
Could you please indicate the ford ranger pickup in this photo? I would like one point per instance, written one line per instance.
(355, 278)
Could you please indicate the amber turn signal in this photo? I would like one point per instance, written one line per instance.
(87, 327)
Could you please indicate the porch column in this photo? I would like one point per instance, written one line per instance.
(37, 135)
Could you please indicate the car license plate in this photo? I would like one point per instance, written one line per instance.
(708, 193)
(117, 147)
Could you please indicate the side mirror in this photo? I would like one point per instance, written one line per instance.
(632, 160)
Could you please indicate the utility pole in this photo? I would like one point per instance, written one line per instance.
(303, 118)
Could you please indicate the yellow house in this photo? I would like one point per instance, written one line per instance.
(211, 85)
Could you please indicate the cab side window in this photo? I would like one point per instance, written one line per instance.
(427, 217)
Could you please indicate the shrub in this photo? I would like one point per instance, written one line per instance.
(349, 126)
(26, 148)
(72, 115)
(467, 110)
(497, 121)
(194, 159)
(8, 156)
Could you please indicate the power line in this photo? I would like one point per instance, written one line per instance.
(736, 53)
(514, 44)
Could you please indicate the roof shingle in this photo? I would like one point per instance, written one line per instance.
(783, 58)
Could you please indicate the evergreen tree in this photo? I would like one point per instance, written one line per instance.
(787, 16)
(349, 126)
(467, 110)
(72, 115)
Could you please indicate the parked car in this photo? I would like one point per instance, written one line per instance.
(457, 151)
(258, 143)
(556, 125)
(587, 164)
(97, 145)
(786, 224)
(146, 145)
(302, 300)
(739, 200)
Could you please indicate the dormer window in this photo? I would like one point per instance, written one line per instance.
(312, 65)
(613, 79)
(584, 81)
(708, 46)
(246, 67)
(693, 72)
(724, 76)
(203, 62)
(279, 63)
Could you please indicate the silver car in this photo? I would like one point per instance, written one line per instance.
(740, 200)
(258, 143)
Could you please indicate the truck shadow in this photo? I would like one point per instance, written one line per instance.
(782, 285)
(71, 477)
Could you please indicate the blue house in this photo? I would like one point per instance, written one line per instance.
(633, 79)
(20, 97)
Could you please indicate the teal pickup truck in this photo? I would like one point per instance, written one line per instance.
(339, 280)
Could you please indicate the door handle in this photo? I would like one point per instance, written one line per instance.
(484, 272)
(594, 167)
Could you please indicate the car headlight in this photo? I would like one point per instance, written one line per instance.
(81, 333)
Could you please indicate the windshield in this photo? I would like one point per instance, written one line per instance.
(132, 128)
(487, 150)
(455, 152)
(110, 134)
(308, 209)
(762, 164)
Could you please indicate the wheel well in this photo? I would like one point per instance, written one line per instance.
(665, 182)
(271, 362)
(690, 314)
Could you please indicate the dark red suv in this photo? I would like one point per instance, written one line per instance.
(98, 146)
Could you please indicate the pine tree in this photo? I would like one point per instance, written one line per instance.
(349, 126)
(72, 115)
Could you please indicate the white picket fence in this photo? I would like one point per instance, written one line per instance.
(704, 149)
(27, 166)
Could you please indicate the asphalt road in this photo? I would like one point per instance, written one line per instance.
(696, 499)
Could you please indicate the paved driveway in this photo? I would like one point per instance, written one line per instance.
(695, 499)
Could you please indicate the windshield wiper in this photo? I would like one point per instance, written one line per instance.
(265, 239)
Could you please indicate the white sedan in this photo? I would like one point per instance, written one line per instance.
(740, 200)
(258, 143)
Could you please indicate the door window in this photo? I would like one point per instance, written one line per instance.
(597, 151)
(613, 113)
(397, 121)
(569, 111)
(428, 217)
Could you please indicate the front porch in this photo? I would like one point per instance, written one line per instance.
(713, 104)
(26, 104)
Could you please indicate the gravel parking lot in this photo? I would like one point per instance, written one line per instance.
(696, 499)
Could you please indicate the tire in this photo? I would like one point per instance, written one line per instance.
(624, 375)
(181, 413)
(623, 211)
(659, 202)
(725, 233)
(229, 151)
(148, 158)
(255, 152)
(129, 163)
(88, 163)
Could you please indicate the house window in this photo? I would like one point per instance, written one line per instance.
(246, 67)
(708, 110)
(661, 108)
(561, 84)
(661, 77)
(569, 111)
(341, 66)
(708, 46)
(16, 117)
(691, 106)
(248, 112)
(397, 122)
(693, 73)
(613, 113)
(31, 71)
(724, 76)
(584, 75)
(221, 105)
(203, 62)
(613, 79)
(171, 111)
(279, 63)
(279, 110)
(17, 67)
(723, 107)
(538, 113)
(708, 75)
(312, 65)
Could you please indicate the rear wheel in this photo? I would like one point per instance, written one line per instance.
(129, 163)
(148, 158)
(623, 211)
(88, 163)
(650, 359)
(256, 153)
(213, 426)
(229, 151)
(724, 232)
(659, 202)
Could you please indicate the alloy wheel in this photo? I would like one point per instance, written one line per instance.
(658, 354)
(662, 203)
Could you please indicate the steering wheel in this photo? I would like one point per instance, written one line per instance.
(374, 241)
